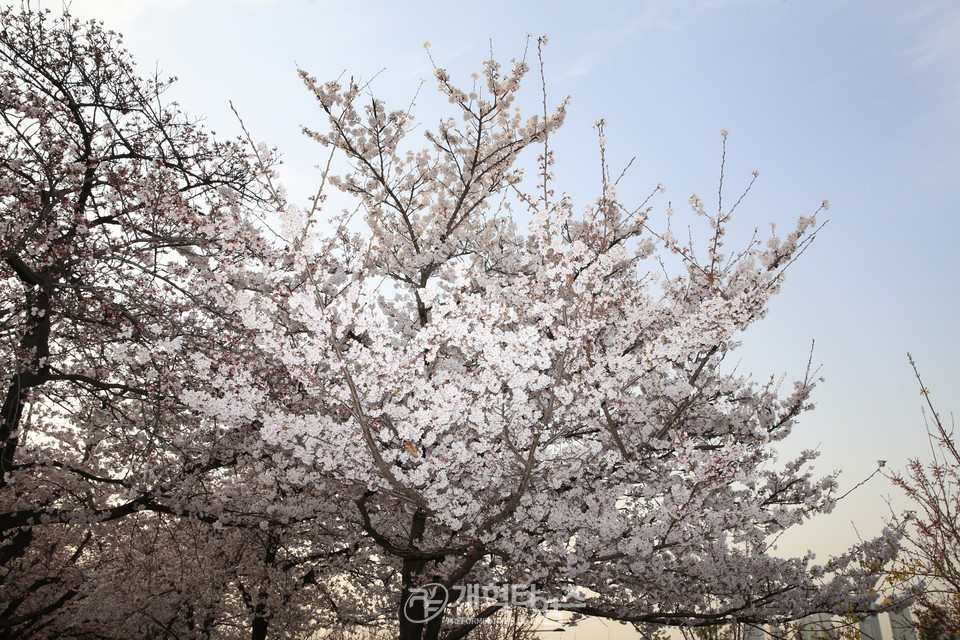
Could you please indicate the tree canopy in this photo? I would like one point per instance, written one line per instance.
(228, 415)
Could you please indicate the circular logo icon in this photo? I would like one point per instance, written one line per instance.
(425, 603)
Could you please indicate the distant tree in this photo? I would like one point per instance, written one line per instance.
(717, 632)
(932, 550)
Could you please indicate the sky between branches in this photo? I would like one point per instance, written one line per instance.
(854, 101)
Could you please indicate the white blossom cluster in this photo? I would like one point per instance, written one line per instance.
(535, 407)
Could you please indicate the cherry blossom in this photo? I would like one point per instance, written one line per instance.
(214, 429)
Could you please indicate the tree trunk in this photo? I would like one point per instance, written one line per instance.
(35, 343)
(412, 613)
(258, 628)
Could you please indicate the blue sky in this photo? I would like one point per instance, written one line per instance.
(854, 101)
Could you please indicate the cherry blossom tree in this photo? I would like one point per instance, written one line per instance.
(932, 553)
(543, 407)
(116, 211)
(249, 433)
(127, 234)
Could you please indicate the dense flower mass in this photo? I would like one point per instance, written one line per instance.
(280, 431)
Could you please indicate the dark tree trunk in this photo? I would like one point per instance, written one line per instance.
(258, 629)
(411, 613)
(35, 344)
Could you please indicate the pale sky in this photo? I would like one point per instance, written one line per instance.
(854, 101)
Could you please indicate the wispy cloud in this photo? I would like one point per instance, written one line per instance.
(936, 45)
(629, 21)
(652, 15)
(932, 50)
